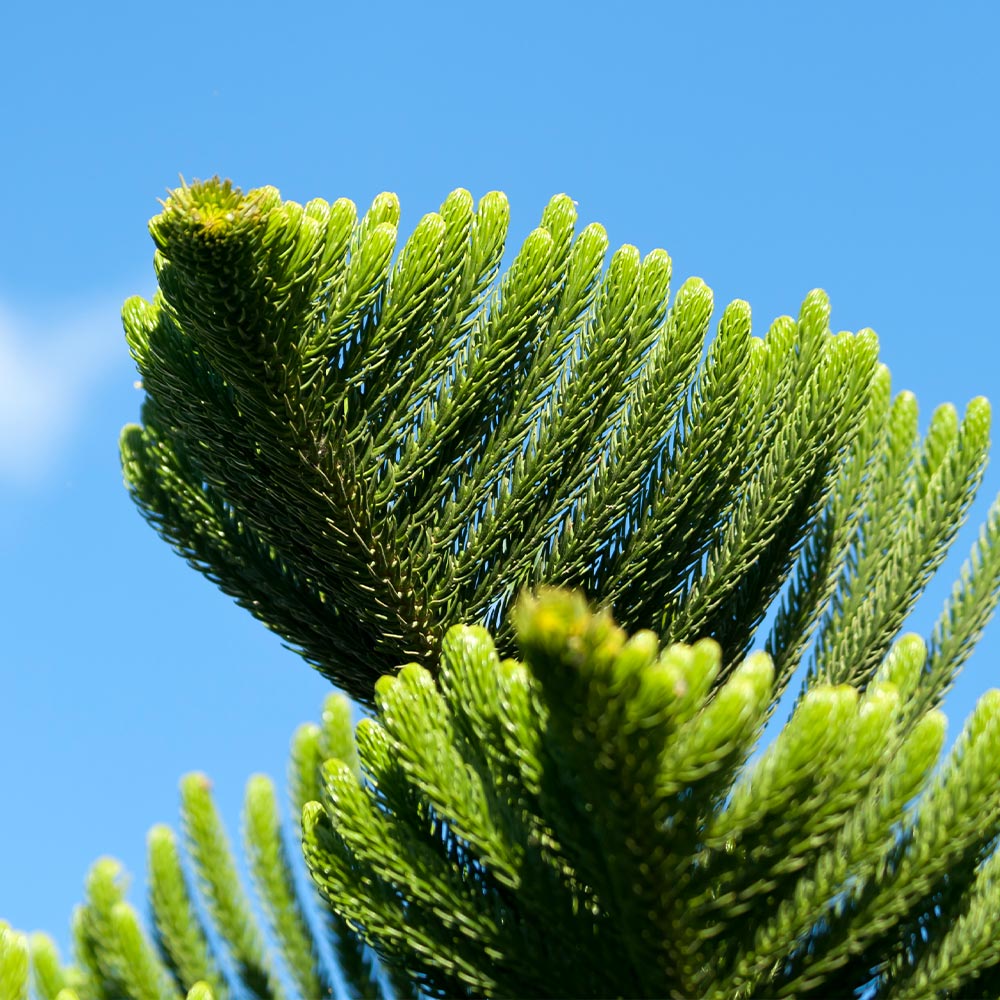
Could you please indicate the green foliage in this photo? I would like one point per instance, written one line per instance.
(365, 452)
(205, 941)
(587, 823)
(376, 453)
(13, 963)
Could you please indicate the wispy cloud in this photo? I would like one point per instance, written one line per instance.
(49, 369)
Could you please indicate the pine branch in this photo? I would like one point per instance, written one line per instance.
(273, 876)
(209, 847)
(585, 822)
(688, 872)
(897, 555)
(116, 959)
(365, 451)
(14, 966)
(827, 549)
(179, 932)
(970, 606)
(49, 977)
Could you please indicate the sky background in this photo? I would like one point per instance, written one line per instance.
(770, 148)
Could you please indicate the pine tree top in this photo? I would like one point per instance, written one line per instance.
(366, 446)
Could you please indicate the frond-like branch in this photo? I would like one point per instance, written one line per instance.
(364, 451)
(582, 823)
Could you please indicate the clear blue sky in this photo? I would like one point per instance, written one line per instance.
(769, 147)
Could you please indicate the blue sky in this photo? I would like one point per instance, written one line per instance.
(770, 147)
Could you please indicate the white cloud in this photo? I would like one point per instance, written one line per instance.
(49, 369)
